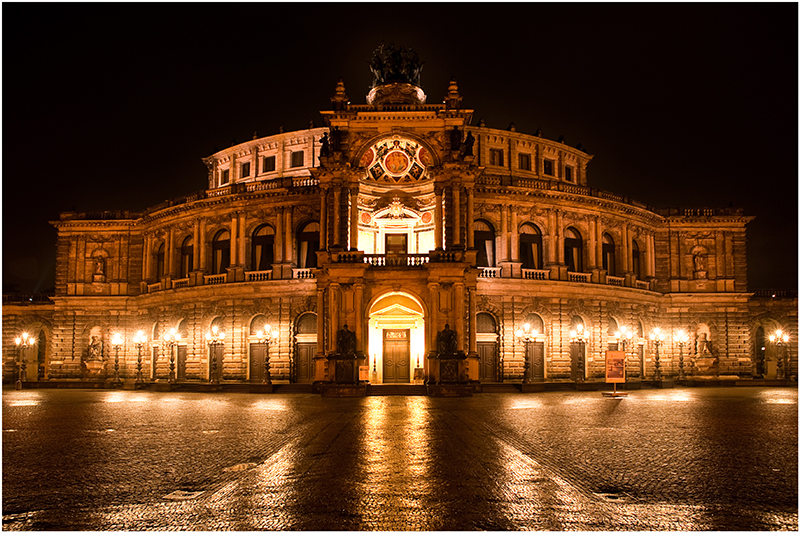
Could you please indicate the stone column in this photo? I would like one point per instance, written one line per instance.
(242, 237)
(337, 195)
(438, 230)
(472, 361)
(552, 251)
(279, 236)
(354, 218)
(168, 253)
(431, 368)
(505, 238)
(456, 214)
(598, 249)
(319, 366)
(234, 238)
(470, 219)
(458, 308)
(358, 305)
(626, 263)
(514, 235)
(202, 244)
(147, 259)
(593, 244)
(323, 219)
(333, 314)
(196, 247)
(287, 216)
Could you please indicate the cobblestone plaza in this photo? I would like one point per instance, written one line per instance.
(677, 459)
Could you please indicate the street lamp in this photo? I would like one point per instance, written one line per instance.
(24, 342)
(657, 338)
(624, 336)
(779, 338)
(528, 335)
(681, 338)
(170, 340)
(213, 338)
(579, 336)
(139, 340)
(266, 337)
(117, 341)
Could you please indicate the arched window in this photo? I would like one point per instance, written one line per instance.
(221, 252)
(536, 322)
(485, 323)
(575, 322)
(307, 245)
(573, 250)
(160, 262)
(613, 327)
(262, 255)
(484, 243)
(307, 324)
(187, 256)
(635, 265)
(609, 264)
(530, 247)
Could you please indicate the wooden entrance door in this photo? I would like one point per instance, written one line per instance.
(487, 355)
(396, 355)
(216, 352)
(154, 363)
(181, 370)
(304, 362)
(258, 352)
(536, 357)
(576, 366)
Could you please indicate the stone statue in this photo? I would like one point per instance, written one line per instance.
(99, 266)
(446, 341)
(455, 139)
(325, 150)
(390, 64)
(95, 350)
(468, 142)
(699, 263)
(346, 341)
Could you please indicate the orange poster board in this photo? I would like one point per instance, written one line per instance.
(615, 367)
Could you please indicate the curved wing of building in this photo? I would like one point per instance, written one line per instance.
(401, 238)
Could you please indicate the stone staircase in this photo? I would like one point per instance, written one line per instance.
(399, 389)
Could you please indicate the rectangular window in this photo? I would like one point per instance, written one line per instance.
(297, 159)
(269, 164)
(524, 161)
(496, 157)
(568, 173)
(548, 167)
(226, 176)
(245, 169)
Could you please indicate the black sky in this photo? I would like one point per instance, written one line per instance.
(111, 106)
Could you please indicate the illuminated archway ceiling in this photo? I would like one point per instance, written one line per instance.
(396, 160)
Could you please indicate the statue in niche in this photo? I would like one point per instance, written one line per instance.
(455, 139)
(346, 341)
(446, 341)
(325, 149)
(99, 266)
(468, 142)
(699, 262)
(95, 350)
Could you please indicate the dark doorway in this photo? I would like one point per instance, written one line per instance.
(181, 371)
(216, 354)
(396, 243)
(396, 352)
(258, 352)
(487, 355)
(305, 361)
(536, 357)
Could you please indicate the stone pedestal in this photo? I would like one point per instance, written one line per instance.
(94, 370)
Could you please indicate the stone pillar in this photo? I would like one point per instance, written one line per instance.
(146, 260)
(560, 237)
(458, 308)
(354, 218)
(472, 360)
(593, 244)
(319, 366)
(168, 253)
(279, 237)
(470, 219)
(333, 314)
(438, 229)
(337, 194)
(552, 251)
(514, 235)
(196, 247)
(651, 254)
(287, 216)
(505, 238)
(242, 237)
(626, 263)
(456, 215)
(323, 219)
(358, 305)
(234, 239)
(598, 249)
(431, 368)
(202, 244)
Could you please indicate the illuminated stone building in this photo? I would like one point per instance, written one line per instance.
(400, 219)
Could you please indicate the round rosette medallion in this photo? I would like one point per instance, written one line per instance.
(396, 162)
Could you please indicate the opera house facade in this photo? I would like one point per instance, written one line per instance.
(400, 243)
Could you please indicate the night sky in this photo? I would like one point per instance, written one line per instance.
(112, 106)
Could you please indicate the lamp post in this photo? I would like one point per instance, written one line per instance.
(267, 337)
(681, 338)
(170, 340)
(116, 341)
(23, 342)
(139, 340)
(657, 338)
(579, 336)
(528, 336)
(624, 336)
(779, 338)
(213, 338)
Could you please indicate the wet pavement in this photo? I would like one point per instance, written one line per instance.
(674, 459)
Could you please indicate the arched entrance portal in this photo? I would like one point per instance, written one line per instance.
(396, 338)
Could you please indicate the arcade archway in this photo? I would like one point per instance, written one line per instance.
(396, 338)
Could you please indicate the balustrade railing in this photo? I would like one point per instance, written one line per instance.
(532, 273)
(579, 277)
(303, 273)
(258, 275)
(153, 287)
(180, 283)
(489, 272)
(645, 285)
(615, 281)
(396, 260)
(215, 279)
